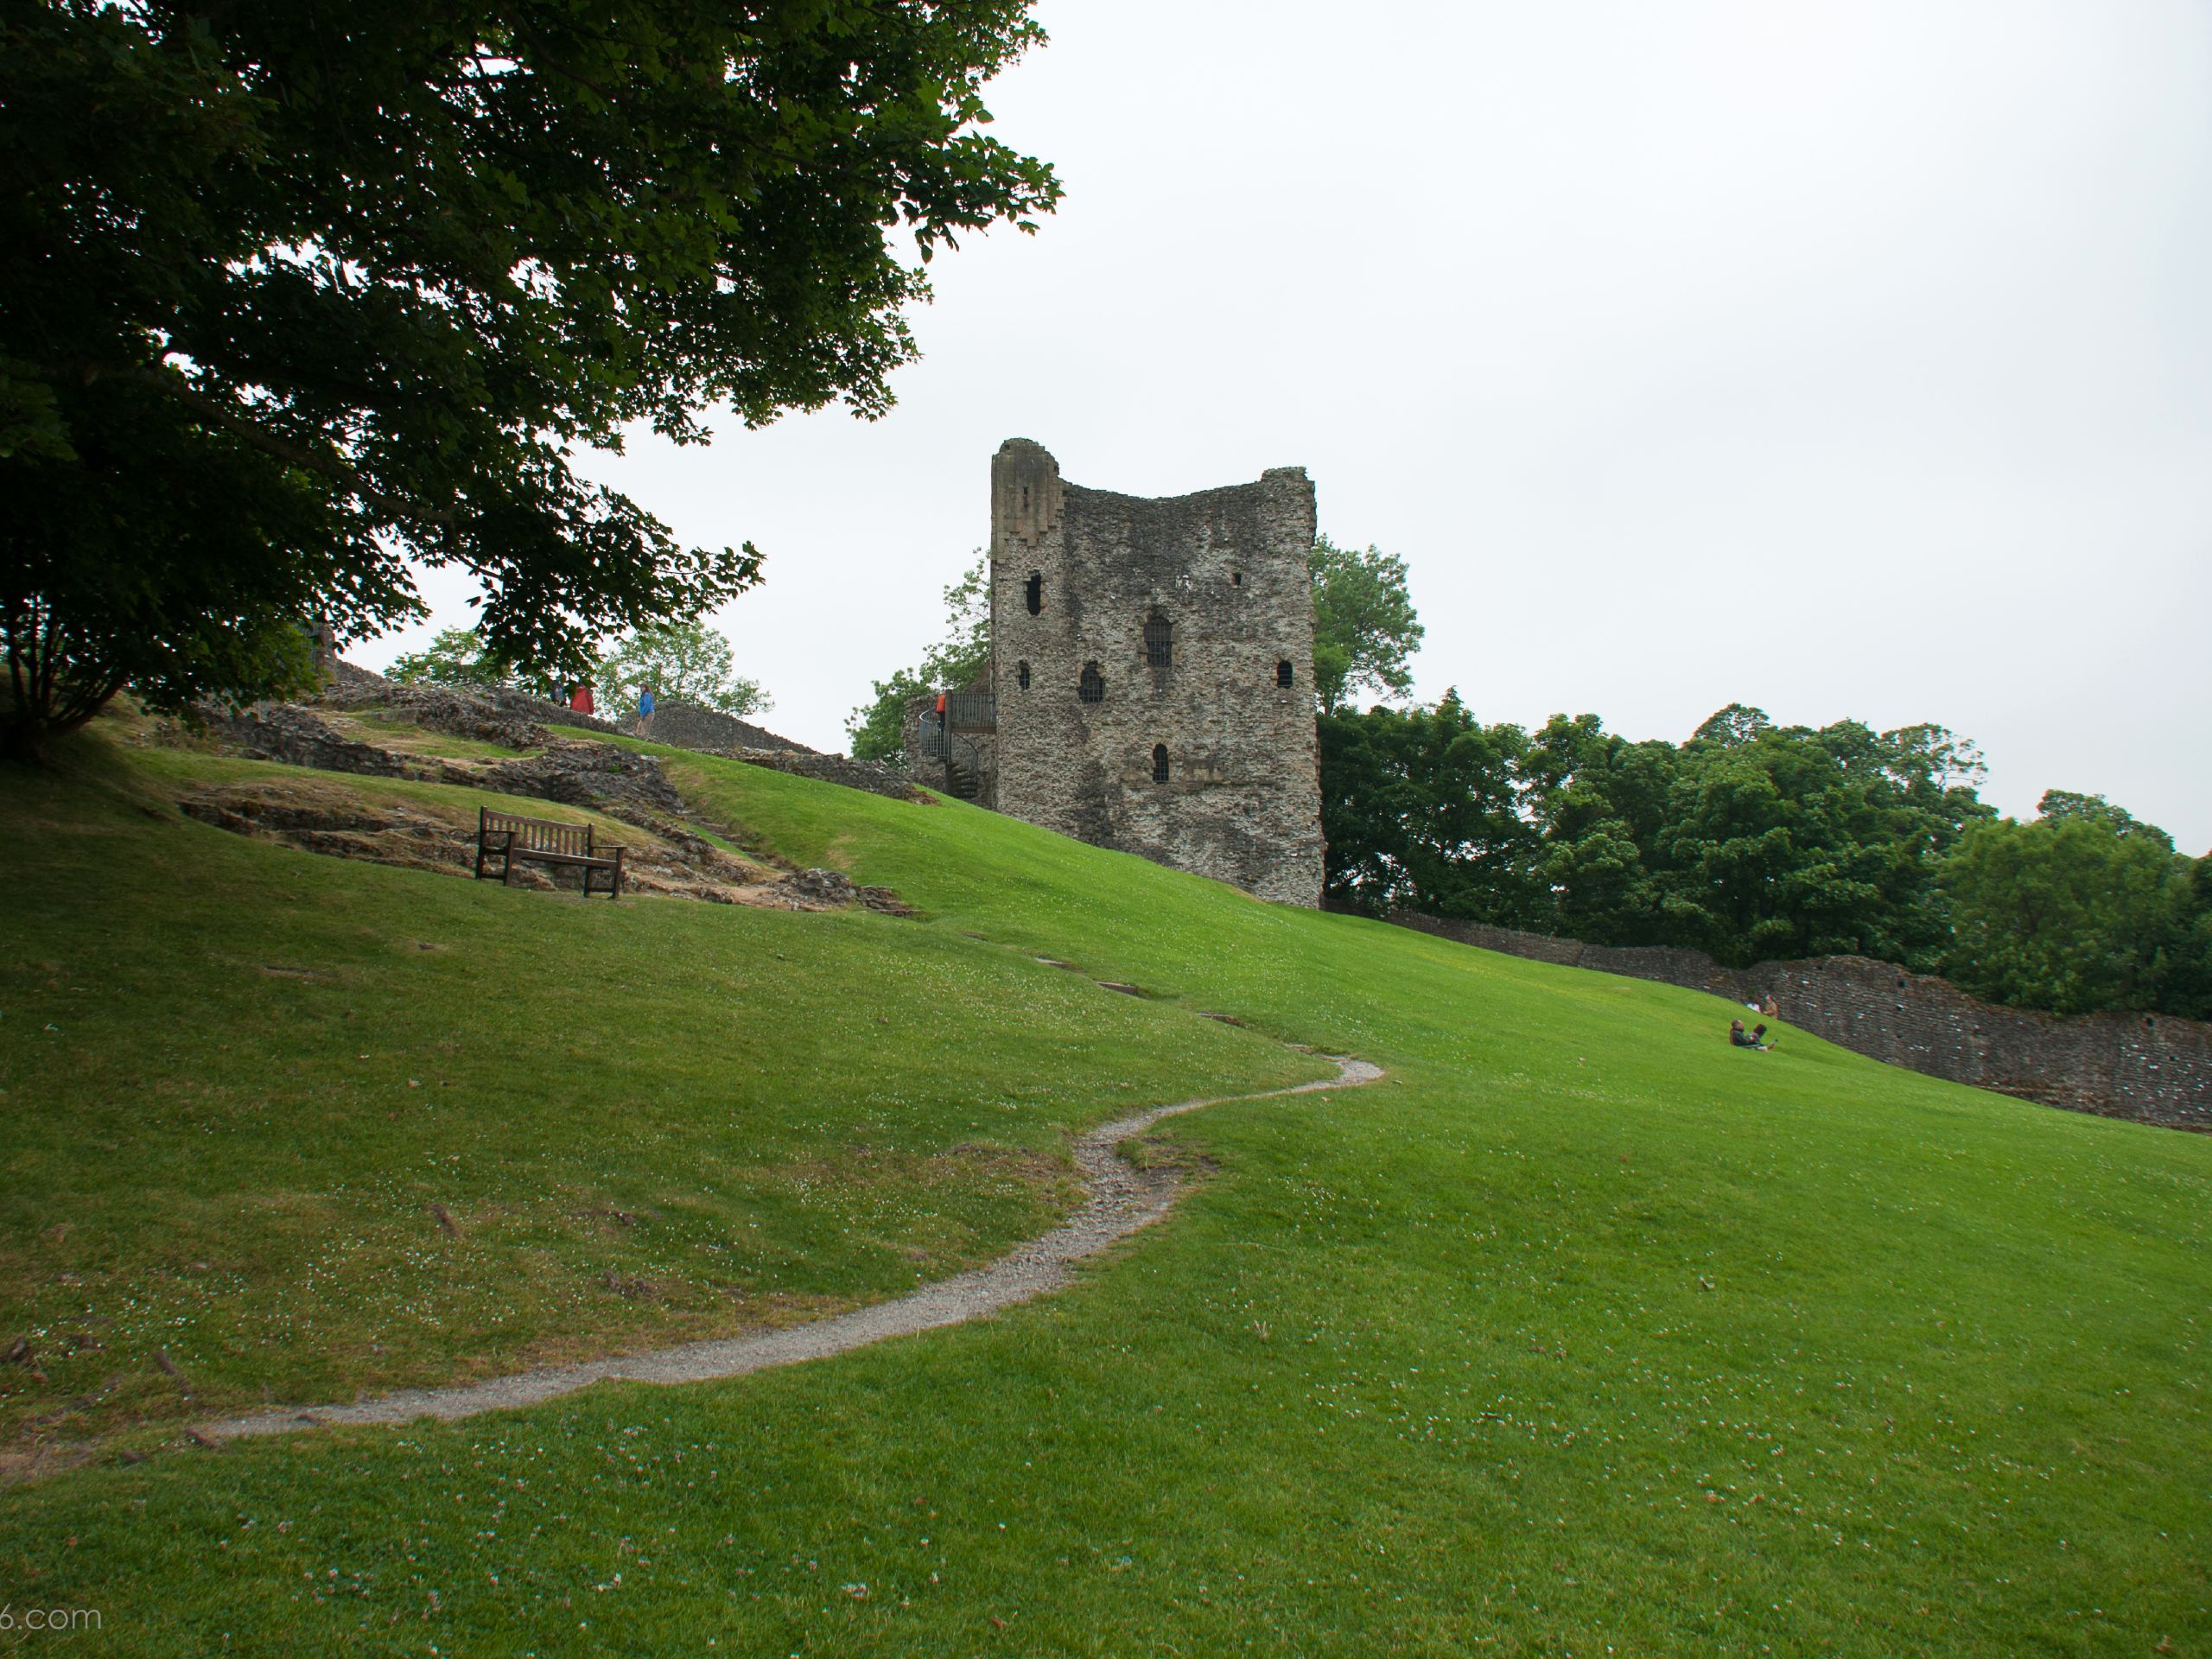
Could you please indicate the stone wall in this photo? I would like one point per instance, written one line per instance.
(686, 726)
(281, 731)
(497, 713)
(1226, 571)
(864, 775)
(2153, 1068)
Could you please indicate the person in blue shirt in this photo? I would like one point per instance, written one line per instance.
(645, 711)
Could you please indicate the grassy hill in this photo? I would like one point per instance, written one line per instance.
(1583, 1332)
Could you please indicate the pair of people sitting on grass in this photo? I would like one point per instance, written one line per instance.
(1754, 1037)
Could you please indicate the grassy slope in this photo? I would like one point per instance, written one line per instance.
(1585, 1331)
(238, 1076)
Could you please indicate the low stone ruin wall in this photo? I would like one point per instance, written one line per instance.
(2151, 1068)
(685, 725)
(517, 720)
(279, 731)
(830, 769)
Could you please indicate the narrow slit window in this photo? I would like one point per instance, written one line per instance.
(1237, 578)
(1033, 593)
(1158, 641)
(1021, 673)
(1284, 676)
(1091, 688)
(1160, 763)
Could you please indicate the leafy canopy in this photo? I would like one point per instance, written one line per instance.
(1419, 810)
(293, 292)
(1751, 841)
(1366, 629)
(1754, 841)
(877, 728)
(454, 657)
(684, 662)
(2084, 907)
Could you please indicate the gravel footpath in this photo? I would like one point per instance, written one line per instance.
(1121, 1199)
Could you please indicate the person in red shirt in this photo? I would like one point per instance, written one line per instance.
(580, 700)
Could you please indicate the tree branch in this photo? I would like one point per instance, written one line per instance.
(174, 387)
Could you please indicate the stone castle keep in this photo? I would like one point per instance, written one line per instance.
(1150, 686)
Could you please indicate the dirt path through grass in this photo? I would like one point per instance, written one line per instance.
(1121, 1198)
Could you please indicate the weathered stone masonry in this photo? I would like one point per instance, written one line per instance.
(1152, 664)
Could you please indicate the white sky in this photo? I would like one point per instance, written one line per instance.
(1848, 360)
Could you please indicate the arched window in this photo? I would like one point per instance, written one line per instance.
(1160, 763)
(1091, 688)
(1021, 673)
(1158, 641)
(1033, 593)
(1283, 674)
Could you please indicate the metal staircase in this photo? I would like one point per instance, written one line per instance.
(962, 760)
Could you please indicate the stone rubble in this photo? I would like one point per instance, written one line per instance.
(603, 777)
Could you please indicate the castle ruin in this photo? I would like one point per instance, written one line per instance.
(1150, 687)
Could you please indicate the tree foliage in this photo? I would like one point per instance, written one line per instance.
(295, 292)
(1421, 811)
(685, 662)
(454, 657)
(877, 728)
(1366, 629)
(1756, 842)
(1753, 841)
(2084, 907)
(1750, 841)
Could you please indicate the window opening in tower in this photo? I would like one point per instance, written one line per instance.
(1158, 641)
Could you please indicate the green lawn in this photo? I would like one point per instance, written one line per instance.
(392, 730)
(236, 1078)
(1583, 1333)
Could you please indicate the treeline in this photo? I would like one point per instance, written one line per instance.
(1752, 841)
(679, 662)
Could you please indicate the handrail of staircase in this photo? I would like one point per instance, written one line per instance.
(937, 744)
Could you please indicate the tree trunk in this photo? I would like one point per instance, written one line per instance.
(26, 734)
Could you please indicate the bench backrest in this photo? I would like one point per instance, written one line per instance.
(537, 835)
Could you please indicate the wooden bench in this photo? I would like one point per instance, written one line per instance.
(507, 837)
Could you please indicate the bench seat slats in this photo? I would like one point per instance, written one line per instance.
(509, 835)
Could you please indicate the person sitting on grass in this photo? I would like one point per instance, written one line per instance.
(1739, 1037)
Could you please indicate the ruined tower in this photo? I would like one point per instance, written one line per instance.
(1152, 667)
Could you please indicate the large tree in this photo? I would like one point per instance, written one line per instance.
(1754, 841)
(686, 662)
(1421, 811)
(295, 292)
(1751, 841)
(1365, 628)
(2081, 908)
(878, 728)
(454, 657)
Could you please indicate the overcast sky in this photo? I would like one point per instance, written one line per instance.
(1850, 360)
